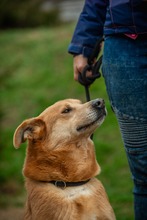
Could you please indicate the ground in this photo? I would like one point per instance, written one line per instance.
(12, 200)
(11, 213)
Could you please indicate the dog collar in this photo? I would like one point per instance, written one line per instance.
(63, 184)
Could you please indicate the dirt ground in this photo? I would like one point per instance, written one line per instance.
(11, 214)
(11, 203)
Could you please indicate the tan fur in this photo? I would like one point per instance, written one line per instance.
(60, 149)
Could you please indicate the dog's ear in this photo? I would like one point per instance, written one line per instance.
(31, 129)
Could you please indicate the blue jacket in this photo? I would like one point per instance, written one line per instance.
(107, 17)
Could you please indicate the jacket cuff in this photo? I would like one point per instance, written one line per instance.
(76, 49)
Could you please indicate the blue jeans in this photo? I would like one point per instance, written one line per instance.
(125, 74)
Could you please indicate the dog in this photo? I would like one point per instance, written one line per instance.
(60, 168)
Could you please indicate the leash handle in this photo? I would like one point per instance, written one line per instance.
(95, 69)
(88, 80)
(95, 51)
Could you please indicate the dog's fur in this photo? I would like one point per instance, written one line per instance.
(60, 149)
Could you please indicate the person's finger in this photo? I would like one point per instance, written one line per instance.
(78, 64)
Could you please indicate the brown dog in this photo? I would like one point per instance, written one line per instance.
(60, 165)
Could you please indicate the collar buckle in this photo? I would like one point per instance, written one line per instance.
(60, 184)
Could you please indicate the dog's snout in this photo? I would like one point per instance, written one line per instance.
(98, 103)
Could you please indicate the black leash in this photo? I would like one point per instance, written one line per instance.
(95, 69)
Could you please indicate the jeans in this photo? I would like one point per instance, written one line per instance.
(125, 72)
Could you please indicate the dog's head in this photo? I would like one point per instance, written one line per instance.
(59, 144)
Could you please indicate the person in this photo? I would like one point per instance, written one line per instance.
(124, 27)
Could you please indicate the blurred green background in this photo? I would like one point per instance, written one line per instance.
(35, 72)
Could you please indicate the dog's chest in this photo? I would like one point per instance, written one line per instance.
(81, 202)
(76, 192)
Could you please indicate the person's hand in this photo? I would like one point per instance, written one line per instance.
(79, 63)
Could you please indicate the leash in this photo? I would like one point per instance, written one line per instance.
(95, 69)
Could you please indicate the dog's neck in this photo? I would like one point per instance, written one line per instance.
(71, 163)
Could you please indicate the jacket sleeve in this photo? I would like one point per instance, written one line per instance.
(89, 27)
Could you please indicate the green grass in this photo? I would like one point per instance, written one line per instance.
(35, 72)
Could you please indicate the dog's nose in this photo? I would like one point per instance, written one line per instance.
(98, 103)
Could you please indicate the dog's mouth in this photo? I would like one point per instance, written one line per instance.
(86, 126)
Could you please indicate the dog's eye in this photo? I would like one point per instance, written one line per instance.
(66, 110)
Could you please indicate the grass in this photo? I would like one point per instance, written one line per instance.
(35, 72)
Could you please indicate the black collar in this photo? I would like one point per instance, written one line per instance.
(63, 184)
